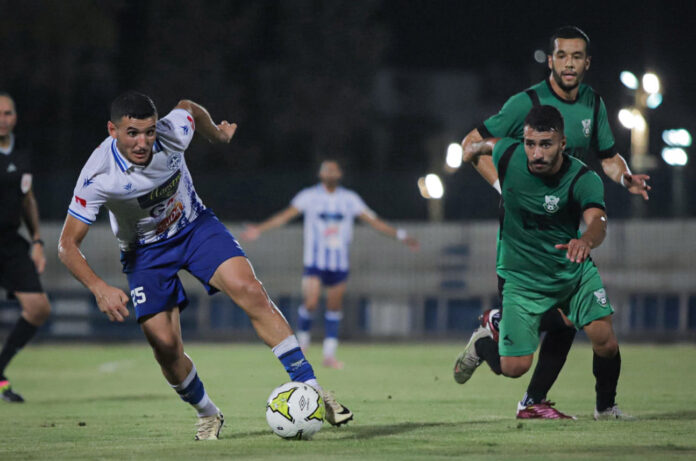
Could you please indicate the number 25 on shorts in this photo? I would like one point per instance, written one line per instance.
(138, 296)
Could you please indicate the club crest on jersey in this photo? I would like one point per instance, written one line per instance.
(551, 203)
(601, 296)
(174, 162)
(587, 127)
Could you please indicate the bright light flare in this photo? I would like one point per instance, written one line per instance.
(626, 118)
(431, 187)
(651, 83)
(675, 156)
(654, 100)
(677, 138)
(629, 80)
(454, 156)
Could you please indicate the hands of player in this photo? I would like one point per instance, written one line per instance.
(251, 233)
(636, 184)
(226, 131)
(578, 250)
(37, 255)
(112, 301)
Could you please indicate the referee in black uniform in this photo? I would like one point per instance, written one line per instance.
(21, 262)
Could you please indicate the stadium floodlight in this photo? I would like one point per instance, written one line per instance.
(677, 138)
(651, 83)
(540, 56)
(653, 100)
(433, 186)
(629, 80)
(454, 155)
(675, 156)
(626, 118)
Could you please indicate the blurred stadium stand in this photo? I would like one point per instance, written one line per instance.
(436, 293)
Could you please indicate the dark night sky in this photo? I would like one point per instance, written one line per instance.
(299, 76)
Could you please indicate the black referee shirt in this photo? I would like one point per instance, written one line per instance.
(14, 170)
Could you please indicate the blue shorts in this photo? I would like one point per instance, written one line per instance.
(328, 278)
(152, 270)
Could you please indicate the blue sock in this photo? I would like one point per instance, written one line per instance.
(304, 319)
(332, 319)
(294, 361)
(192, 391)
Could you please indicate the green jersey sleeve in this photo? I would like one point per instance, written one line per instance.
(510, 120)
(588, 191)
(500, 148)
(605, 138)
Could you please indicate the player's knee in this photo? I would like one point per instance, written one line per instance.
(608, 348)
(514, 368)
(167, 347)
(38, 311)
(311, 304)
(254, 296)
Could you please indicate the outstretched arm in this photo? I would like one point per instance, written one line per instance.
(30, 216)
(111, 300)
(221, 133)
(578, 250)
(254, 231)
(617, 170)
(390, 231)
(484, 165)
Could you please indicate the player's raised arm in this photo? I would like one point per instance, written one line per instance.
(578, 250)
(617, 170)
(254, 231)
(484, 165)
(111, 300)
(388, 230)
(221, 133)
(472, 151)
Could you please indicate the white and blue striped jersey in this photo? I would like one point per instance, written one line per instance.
(147, 203)
(328, 225)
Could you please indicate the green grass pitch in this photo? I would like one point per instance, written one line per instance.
(110, 402)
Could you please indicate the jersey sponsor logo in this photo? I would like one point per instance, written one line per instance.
(11, 168)
(159, 194)
(80, 201)
(331, 216)
(551, 203)
(174, 162)
(601, 296)
(25, 184)
(587, 127)
(171, 218)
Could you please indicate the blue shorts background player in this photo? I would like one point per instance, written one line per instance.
(329, 213)
(140, 175)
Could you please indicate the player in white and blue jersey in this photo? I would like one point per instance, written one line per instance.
(329, 213)
(139, 174)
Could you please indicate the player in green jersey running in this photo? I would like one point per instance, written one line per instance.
(544, 260)
(587, 133)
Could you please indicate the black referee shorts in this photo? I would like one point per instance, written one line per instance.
(17, 270)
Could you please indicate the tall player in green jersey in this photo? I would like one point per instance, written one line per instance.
(543, 258)
(588, 133)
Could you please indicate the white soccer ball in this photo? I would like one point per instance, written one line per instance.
(295, 411)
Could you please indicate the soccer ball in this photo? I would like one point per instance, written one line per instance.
(295, 411)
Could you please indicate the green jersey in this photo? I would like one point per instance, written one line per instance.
(539, 212)
(586, 125)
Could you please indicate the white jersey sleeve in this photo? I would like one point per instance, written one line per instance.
(302, 200)
(88, 196)
(358, 206)
(175, 130)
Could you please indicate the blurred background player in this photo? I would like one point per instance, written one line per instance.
(19, 273)
(588, 134)
(543, 258)
(329, 211)
(140, 175)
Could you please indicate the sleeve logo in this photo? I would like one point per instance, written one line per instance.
(80, 201)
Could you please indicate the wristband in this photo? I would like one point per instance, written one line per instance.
(401, 234)
(39, 241)
(622, 181)
(496, 186)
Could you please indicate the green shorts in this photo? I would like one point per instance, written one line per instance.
(523, 309)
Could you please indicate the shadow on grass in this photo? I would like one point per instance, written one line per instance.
(684, 415)
(373, 431)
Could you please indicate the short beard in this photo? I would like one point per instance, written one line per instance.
(559, 80)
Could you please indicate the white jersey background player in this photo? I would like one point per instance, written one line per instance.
(329, 212)
(139, 174)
